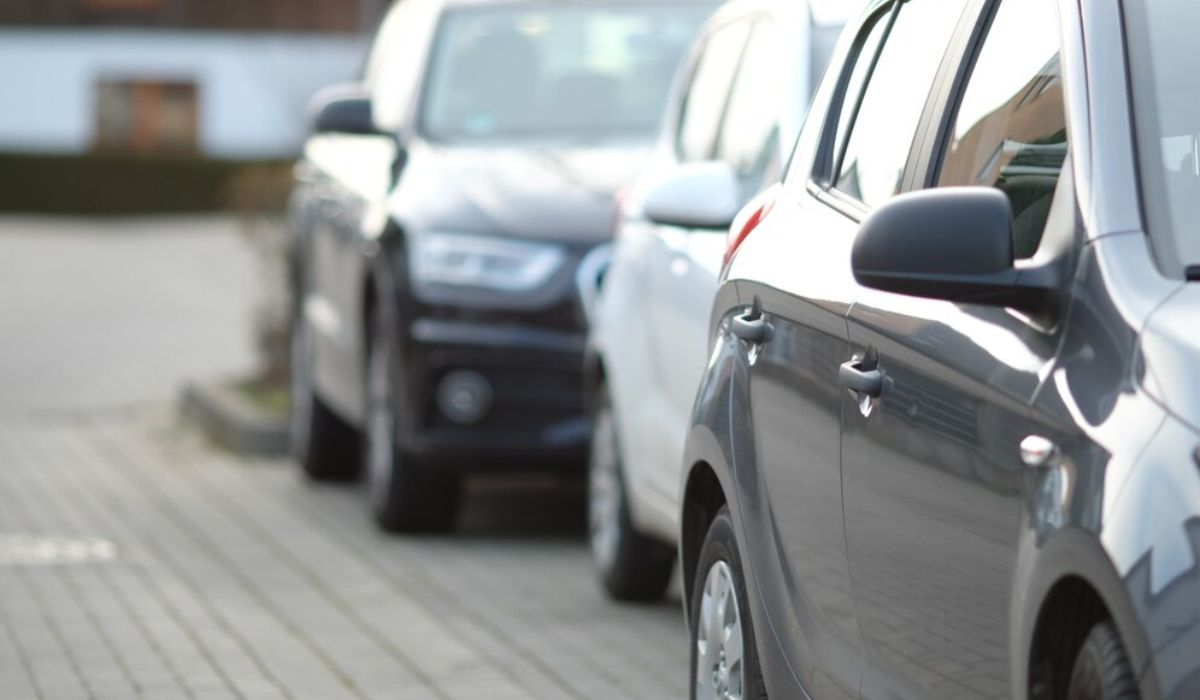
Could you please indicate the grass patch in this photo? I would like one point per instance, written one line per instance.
(271, 397)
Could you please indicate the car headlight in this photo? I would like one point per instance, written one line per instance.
(464, 260)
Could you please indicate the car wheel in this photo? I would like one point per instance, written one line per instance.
(632, 566)
(406, 495)
(1102, 670)
(724, 657)
(324, 445)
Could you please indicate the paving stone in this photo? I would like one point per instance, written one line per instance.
(234, 578)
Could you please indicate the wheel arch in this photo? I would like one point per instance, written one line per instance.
(380, 284)
(703, 497)
(1065, 585)
(1070, 609)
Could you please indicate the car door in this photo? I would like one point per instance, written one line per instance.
(680, 267)
(930, 464)
(350, 173)
(793, 273)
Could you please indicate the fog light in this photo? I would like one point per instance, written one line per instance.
(464, 396)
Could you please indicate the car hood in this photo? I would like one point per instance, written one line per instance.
(561, 193)
(1170, 354)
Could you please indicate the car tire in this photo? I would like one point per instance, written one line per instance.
(325, 446)
(406, 495)
(1102, 669)
(632, 566)
(719, 631)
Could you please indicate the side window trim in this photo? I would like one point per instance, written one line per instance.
(942, 108)
(951, 73)
(848, 207)
(948, 103)
(965, 26)
(839, 161)
(822, 170)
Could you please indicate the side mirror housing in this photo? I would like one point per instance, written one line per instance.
(954, 244)
(343, 109)
(695, 195)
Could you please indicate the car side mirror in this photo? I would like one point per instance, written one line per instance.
(954, 244)
(343, 109)
(695, 195)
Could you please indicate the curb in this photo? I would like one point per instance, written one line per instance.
(235, 423)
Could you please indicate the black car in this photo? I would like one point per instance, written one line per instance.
(444, 211)
(946, 442)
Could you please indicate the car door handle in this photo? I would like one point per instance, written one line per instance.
(868, 382)
(752, 327)
(1039, 452)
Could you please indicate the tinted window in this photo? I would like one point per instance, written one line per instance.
(750, 136)
(1165, 52)
(1011, 127)
(563, 70)
(882, 133)
(708, 94)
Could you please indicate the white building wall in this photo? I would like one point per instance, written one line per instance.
(253, 88)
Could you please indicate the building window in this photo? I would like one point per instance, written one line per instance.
(146, 116)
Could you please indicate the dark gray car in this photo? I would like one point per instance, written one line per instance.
(946, 444)
(446, 212)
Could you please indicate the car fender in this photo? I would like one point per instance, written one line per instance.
(709, 446)
(1152, 534)
(1065, 553)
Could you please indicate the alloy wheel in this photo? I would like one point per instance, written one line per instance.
(300, 378)
(720, 673)
(604, 491)
(381, 421)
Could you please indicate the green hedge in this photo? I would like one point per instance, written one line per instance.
(124, 184)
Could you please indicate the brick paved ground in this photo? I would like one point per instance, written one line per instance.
(229, 578)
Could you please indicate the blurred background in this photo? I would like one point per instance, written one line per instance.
(192, 108)
(123, 106)
(143, 106)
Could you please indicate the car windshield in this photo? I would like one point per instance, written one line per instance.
(1165, 56)
(575, 71)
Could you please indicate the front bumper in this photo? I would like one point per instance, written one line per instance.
(536, 416)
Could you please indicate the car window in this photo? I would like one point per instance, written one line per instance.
(881, 134)
(1011, 127)
(1163, 55)
(749, 139)
(708, 93)
(572, 69)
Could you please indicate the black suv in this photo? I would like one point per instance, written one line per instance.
(444, 212)
(946, 444)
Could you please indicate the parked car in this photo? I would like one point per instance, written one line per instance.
(442, 210)
(730, 127)
(945, 442)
